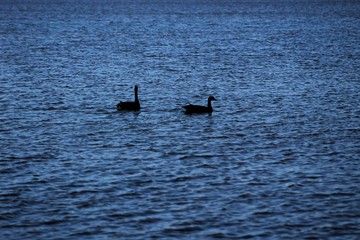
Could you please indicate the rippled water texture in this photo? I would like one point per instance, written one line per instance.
(277, 159)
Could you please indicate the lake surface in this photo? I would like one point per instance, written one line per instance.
(279, 158)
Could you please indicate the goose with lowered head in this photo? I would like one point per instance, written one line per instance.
(190, 109)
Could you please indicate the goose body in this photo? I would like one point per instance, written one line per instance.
(130, 106)
(190, 109)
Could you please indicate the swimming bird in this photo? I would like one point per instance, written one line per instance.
(130, 106)
(190, 109)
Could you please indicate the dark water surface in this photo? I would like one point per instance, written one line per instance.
(279, 157)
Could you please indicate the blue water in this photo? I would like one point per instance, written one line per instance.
(279, 158)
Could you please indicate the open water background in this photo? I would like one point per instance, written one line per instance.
(278, 158)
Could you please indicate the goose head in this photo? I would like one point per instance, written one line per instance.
(212, 98)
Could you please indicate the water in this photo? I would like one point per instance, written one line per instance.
(278, 158)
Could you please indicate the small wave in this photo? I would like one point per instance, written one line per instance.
(188, 229)
(53, 222)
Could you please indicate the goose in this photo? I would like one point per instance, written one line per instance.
(130, 106)
(190, 109)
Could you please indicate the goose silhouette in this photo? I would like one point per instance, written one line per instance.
(190, 109)
(130, 106)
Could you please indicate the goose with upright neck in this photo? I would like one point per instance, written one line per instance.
(130, 106)
(191, 109)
